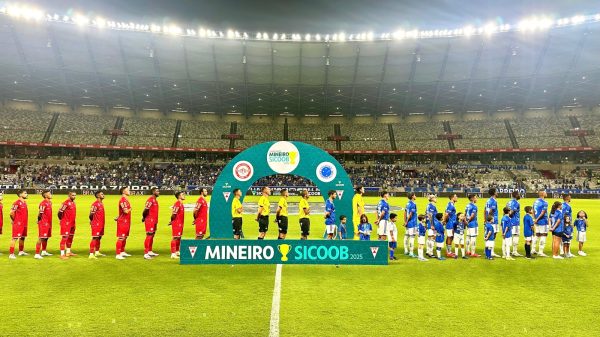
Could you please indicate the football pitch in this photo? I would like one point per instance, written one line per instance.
(135, 297)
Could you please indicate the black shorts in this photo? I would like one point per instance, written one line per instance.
(237, 226)
(282, 222)
(305, 226)
(263, 223)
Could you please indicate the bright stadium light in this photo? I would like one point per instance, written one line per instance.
(81, 20)
(318, 37)
(100, 22)
(230, 34)
(578, 19)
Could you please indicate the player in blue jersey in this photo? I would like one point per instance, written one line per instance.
(557, 224)
(330, 215)
(439, 235)
(422, 232)
(472, 227)
(528, 230)
(392, 235)
(431, 213)
(491, 208)
(450, 220)
(515, 215)
(507, 225)
(410, 223)
(459, 235)
(489, 235)
(581, 224)
(567, 213)
(364, 228)
(383, 216)
(540, 220)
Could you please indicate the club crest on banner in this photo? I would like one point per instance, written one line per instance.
(374, 251)
(192, 250)
(326, 172)
(226, 196)
(243, 170)
(340, 193)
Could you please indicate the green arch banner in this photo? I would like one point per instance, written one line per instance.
(282, 157)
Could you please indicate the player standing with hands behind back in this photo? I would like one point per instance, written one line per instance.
(177, 218)
(201, 214)
(330, 225)
(383, 216)
(264, 208)
(150, 220)
(67, 215)
(123, 223)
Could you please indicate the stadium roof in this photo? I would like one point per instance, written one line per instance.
(514, 70)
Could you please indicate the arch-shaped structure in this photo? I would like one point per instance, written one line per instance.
(271, 158)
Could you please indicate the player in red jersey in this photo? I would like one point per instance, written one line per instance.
(44, 225)
(18, 215)
(150, 220)
(97, 220)
(201, 214)
(67, 215)
(123, 223)
(177, 217)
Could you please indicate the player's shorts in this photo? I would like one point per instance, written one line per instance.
(395, 233)
(19, 231)
(459, 239)
(565, 239)
(123, 230)
(330, 229)
(44, 231)
(176, 230)
(150, 226)
(508, 241)
(421, 240)
(282, 223)
(200, 228)
(430, 232)
(305, 226)
(489, 244)
(529, 238)
(67, 229)
(473, 231)
(384, 227)
(496, 228)
(237, 226)
(516, 230)
(97, 230)
(263, 223)
(439, 244)
(449, 233)
(581, 236)
(541, 229)
(411, 231)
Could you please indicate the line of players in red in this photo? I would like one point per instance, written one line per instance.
(67, 215)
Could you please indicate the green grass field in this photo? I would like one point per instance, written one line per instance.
(107, 297)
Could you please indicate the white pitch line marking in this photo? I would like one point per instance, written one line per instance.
(274, 325)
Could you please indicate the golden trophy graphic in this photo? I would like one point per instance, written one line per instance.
(293, 156)
(284, 250)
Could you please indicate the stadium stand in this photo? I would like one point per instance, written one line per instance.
(203, 134)
(315, 134)
(82, 129)
(366, 137)
(255, 133)
(481, 135)
(543, 132)
(147, 132)
(23, 126)
(410, 136)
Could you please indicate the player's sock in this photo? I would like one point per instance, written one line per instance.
(38, 247)
(178, 244)
(468, 245)
(462, 250)
(147, 244)
(448, 249)
(69, 242)
(173, 246)
(534, 241)
(487, 252)
(21, 245)
(405, 244)
(527, 250)
(93, 246)
(98, 244)
(124, 242)
(473, 245)
(119, 247)
(44, 245)
(438, 251)
(420, 252)
(542, 244)
(12, 250)
(411, 244)
(456, 250)
(515, 242)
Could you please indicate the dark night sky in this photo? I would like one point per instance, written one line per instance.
(312, 16)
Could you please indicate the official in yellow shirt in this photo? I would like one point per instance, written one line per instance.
(358, 205)
(304, 212)
(236, 214)
(264, 208)
(281, 217)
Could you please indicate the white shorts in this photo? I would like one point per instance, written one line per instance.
(541, 229)
(331, 229)
(489, 244)
(496, 228)
(581, 237)
(516, 230)
(473, 231)
(459, 239)
(430, 232)
(384, 227)
(529, 238)
(449, 232)
(508, 241)
(421, 240)
(439, 244)
(411, 231)
(389, 237)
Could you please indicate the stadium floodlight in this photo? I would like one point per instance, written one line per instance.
(578, 19)
(275, 36)
(100, 22)
(597, 17)
(318, 37)
(469, 30)
(81, 20)
(490, 28)
(230, 34)
(342, 37)
(155, 28)
(307, 37)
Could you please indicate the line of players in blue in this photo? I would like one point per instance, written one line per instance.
(460, 230)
